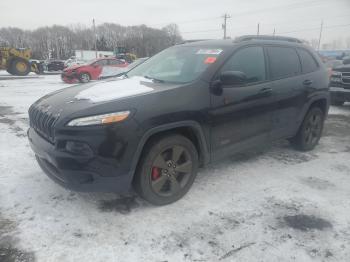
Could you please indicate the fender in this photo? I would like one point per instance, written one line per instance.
(187, 123)
(311, 100)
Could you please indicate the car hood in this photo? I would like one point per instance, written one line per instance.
(73, 67)
(100, 97)
(118, 89)
(342, 68)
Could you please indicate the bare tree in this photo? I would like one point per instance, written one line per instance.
(61, 41)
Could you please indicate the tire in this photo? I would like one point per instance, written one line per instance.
(310, 130)
(19, 67)
(84, 77)
(167, 169)
(8, 70)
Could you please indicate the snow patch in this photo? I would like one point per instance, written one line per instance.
(111, 90)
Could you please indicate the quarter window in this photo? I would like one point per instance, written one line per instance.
(308, 63)
(284, 62)
(102, 62)
(250, 61)
(114, 62)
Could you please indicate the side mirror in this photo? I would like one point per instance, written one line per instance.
(233, 78)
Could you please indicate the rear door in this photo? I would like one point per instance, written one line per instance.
(287, 83)
(241, 115)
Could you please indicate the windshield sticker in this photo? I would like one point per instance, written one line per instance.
(210, 60)
(209, 51)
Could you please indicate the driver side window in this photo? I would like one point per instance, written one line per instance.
(250, 61)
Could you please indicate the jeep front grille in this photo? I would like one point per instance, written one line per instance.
(43, 122)
(345, 77)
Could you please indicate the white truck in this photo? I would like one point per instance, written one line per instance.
(86, 55)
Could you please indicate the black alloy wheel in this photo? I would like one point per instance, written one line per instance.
(310, 131)
(167, 169)
(171, 170)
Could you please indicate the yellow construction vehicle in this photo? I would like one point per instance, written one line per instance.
(16, 61)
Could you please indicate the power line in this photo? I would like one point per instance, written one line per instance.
(303, 4)
(203, 31)
(276, 25)
(315, 28)
(298, 20)
(235, 15)
(189, 21)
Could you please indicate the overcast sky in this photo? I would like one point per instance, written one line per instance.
(197, 19)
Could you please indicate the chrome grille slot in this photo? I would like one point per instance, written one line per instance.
(345, 77)
(43, 122)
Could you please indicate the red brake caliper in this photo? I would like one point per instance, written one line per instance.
(155, 173)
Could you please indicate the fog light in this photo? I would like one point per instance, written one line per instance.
(78, 148)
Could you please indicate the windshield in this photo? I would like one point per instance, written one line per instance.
(179, 64)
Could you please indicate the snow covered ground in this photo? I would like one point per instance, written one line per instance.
(273, 205)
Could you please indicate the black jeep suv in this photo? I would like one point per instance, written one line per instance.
(340, 84)
(184, 107)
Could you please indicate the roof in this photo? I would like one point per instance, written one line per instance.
(246, 39)
(268, 38)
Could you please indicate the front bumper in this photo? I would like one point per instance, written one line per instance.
(340, 94)
(69, 78)
(77, 172)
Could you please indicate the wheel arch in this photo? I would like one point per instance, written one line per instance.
(321, 101)
(190, 129)
(85, 72)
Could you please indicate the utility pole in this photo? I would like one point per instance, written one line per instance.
(94, 27)
(224, 25)
(319, 39)
(274, 31)
(258, 32)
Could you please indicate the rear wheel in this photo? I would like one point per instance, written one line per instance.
(19, 67)
(310, 130)
(166, 170)
(84, 78)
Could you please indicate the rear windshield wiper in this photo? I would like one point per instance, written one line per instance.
(154, 79)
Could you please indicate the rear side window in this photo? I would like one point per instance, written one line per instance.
(308, 63)
(250, 61)
(102, 62)
(284, 62)
(114, 62)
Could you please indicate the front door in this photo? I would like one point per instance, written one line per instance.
(97, 68)
(241, 115)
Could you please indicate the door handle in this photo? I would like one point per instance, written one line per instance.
(307, 82)
(265, 90)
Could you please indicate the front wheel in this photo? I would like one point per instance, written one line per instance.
(310, 130)
(20, 67)
(84, 78)
(166, 170)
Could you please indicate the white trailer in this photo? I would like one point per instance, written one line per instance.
(85, 55)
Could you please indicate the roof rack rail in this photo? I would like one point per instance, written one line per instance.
(191, 41)
(267, 37)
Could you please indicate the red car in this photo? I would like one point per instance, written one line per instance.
(91, 70)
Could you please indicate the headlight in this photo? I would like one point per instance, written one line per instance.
(99, 119)
(335, 73)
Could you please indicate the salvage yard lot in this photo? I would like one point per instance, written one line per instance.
(275, 204)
